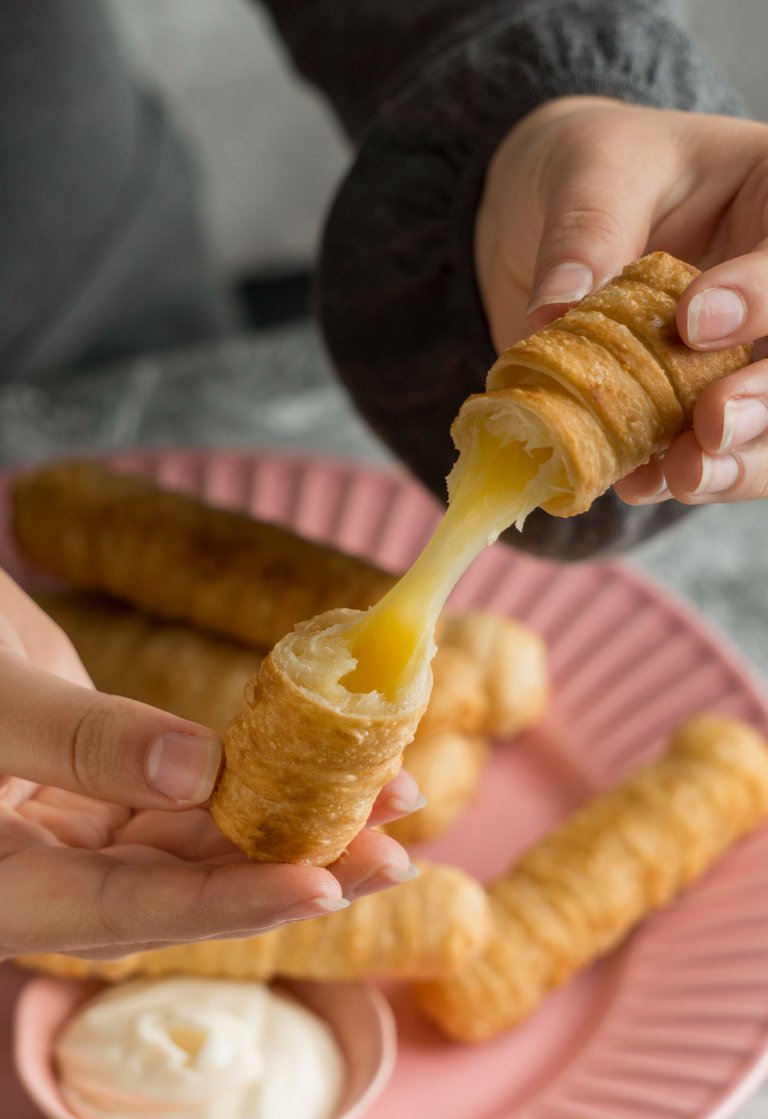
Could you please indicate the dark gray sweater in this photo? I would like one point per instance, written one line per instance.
(100, 246)
(426, 89)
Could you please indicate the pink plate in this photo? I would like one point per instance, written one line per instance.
(674, 1025)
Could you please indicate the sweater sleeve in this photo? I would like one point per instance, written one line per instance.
(427, 90)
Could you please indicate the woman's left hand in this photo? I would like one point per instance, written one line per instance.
(583, 185)
(107, 844)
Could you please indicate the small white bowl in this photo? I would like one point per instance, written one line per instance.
(359, 1016)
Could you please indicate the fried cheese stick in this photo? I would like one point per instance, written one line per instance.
(305, 758)
(602, 389)
(447, 766)
(509, 662)
(578, 892)
(180, 559)
(430, 926)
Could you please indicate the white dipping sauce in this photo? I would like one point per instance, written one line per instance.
(189, 1048)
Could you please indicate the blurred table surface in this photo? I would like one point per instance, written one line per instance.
(274, 389)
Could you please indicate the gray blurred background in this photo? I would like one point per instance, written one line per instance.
(269, 147)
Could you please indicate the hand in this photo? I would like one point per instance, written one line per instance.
(583, 185)
(106, 847)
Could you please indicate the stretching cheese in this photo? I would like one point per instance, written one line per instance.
(494, 484)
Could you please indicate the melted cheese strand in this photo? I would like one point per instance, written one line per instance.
(494, 484)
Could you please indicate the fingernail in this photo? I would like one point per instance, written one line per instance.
(718, 473)
(653, 498)
(406, 807)
(745, 418)
(183, 767)
(651, 484)
(566, 283)
(382, 878)
(313, 907)
(398, 875)
(715, 314)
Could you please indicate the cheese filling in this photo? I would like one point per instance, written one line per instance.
(495, 483)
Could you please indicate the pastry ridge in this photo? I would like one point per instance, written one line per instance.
(581, 889)
(302, 770)
(634, 356)
(447, 766)
(540, 394)
(430, 926)
(589, 372)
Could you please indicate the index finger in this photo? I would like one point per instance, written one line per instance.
(57, 733)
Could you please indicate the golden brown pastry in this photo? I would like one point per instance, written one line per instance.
(180, 559)
(430, 926)
(178, 668)
(510, 662)
(305, 758)
(490, 677)
(603, 388)
(577, 893)
(458, 701)
(447, 767)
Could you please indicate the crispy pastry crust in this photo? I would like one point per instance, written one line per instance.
(491, 679)
(447, 767)
(511, 663)
(180, 559)
(431, 926)
(577, 893)
(611, 381)
(303, 768)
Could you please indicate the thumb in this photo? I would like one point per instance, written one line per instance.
(57, 733)
(595, 222)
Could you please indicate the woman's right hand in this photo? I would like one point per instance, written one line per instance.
(581, 186)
